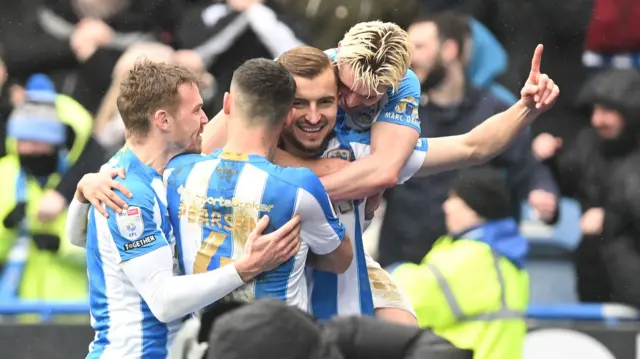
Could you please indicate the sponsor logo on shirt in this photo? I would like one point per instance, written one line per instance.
(139, 243)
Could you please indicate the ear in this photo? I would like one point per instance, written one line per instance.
(290, 117)
(161, 120)
(226, 103)
(449, 51)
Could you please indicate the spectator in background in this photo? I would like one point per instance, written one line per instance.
(30, 172)
(585, 166)
(471, 288)
(109, 129)
(331, 19)
(220, 36)
(414, 217)
(77, 42)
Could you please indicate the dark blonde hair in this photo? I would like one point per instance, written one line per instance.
(148, 87)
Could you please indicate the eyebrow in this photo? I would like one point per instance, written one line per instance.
(198, 105)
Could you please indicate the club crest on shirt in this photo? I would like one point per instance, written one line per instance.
(130, 223)
(340, 153)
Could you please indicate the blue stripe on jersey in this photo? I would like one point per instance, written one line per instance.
(154, 336)
(275, 283)
(97, 292)
(222, 184)
(324, 303)
(366, 297)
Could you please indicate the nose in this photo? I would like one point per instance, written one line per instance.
(351, 100)
(313, 116)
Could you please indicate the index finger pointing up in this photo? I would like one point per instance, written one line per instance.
(537, 59)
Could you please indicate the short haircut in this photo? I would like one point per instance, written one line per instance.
(305, 61)
(451, 26)
(378, 52)
(265, 91)
(148, 87)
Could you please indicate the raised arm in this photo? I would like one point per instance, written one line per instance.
(494, 135)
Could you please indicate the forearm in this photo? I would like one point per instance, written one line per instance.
(276, 36)
(360, 179)
(320, 166)
(76, 226)
(170, 297)
(495, 134)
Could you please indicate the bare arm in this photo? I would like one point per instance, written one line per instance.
(214, 135)
(337, 261)
(479, 145)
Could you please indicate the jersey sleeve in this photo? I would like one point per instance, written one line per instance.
(402, 107)
(320, 227)
(135, 232)
(415, 161)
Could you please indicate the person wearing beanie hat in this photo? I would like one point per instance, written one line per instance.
(472, 288)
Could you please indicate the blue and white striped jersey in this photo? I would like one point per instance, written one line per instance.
(335, 294)
(125, 327)
(215, 201)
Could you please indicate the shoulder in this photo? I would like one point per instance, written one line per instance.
(184, 159)
(409, 87)
(301, 178)
(143, 194)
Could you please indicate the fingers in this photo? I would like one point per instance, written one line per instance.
(535, 63)
(260, 226)
(287, 228)
(118, 172)
(115, 199)
(97, 204)
(120, 187)
(104, 198)
(546, 87)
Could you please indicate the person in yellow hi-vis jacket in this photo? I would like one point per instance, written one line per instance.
(55, 270)
(471, 288)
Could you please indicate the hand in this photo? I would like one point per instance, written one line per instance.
(17, 95)
(50, 206)
(263, 253)
(96, 30)
(591, 221)
(189, 59)
(242, 5)
(545, 146)
(544, 203)
(98, 189)
(371, 205)
(539, 92)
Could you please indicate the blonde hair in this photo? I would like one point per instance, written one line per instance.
(150, 50)
(378, 52)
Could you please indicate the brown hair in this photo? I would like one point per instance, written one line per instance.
(305, 61)
(148, 87)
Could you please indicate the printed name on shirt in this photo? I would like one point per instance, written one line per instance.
(139, 243)
(130, 223)
(405, 111)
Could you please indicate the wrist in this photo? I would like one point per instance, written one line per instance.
(246, 270)
(80, 197)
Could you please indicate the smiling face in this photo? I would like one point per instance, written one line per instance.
(316, 108)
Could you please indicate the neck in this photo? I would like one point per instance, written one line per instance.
(251, 141)
(153, 152)
(451, 91)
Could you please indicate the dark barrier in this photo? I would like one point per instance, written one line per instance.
(44, 341)
(546, 340)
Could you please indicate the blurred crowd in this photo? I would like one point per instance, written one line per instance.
(61, 62)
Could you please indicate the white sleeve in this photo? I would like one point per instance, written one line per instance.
(276, 36)
(320, 227)
(76, 226)
(171, 297)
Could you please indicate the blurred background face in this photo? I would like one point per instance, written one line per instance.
(458, 216)
(353, 96)
(316, 108)
(37, 158)
(190, 119)
(608, 123)
(427, 61)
